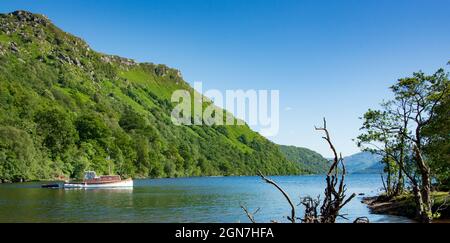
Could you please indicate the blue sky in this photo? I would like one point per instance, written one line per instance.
(327, 58)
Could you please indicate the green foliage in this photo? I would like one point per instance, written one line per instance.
(56, 129)
(91, 127)
(309, 160)
(19, 160)
(427, 97)
(438, 148)
(131, 120)
(65, 108)
(412, 131)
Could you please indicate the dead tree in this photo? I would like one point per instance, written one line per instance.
(335, 197)
(311, 205)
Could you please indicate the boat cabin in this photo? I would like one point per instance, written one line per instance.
(91, 177)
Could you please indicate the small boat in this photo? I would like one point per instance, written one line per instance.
(91, 180)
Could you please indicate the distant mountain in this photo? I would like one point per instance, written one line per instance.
(307, 159)
(363, 163)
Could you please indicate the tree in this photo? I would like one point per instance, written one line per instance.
(131, 120)
(57, 130)
(18, 157)
(422, 94)
(335, 198)
(407, 127)
(91, 127)
(384, 136)
(438, 147)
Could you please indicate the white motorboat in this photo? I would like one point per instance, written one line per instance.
(91, 180)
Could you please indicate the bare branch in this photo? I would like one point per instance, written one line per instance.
(335, 198)
(251, 216)
(292, 217)
(328, 139)
(443, 206)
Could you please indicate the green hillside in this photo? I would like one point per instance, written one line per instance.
(65, 108)
(364, 163)
(311, 161)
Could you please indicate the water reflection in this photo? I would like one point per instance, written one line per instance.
(177, 200)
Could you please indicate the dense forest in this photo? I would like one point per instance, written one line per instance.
(66, 108)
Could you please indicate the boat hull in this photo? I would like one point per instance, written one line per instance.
(119, 184)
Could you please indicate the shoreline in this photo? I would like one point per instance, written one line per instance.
(382, 207)
(164, 178)
(404, 206)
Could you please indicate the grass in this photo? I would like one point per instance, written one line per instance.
(4, 38)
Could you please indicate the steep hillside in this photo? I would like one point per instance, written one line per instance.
(65, 108)
(312, 161)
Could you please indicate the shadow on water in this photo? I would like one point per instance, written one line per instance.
(205, 199)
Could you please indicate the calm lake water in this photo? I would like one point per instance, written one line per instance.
(206, 199)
